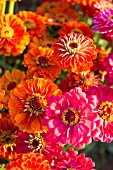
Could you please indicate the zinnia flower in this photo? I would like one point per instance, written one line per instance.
(12, 40)
(29, 161)
(41, 63)
(74, 52)
(70, 118)
(104, 112)
(8, 135)
(35, 23)
(9, 81)
(103, 23)
(72, 160)
(76, 27)
(28, 102)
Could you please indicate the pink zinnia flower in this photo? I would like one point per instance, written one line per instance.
(70, 119)
(73, 160)
(103, 112)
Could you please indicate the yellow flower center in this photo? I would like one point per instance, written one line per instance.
(61, 17)
(106, 111)
(77, 30)
(72, 47)
(37, 143)
(42, 61)
(70, 116)
(30, 24)
(7, 32)
(110, 17)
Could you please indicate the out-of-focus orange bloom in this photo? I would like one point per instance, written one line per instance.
(35, 23)
(28, 102)
(82, 2)
(9, 81)
(12, 40)
(8, 135)
(76, 27)
(2, 93)
(43, 40)
(41, 63)
(29, 161)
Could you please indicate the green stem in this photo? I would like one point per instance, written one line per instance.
(3, 7)
(11, 7)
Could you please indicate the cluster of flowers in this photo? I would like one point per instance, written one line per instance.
(62, 93)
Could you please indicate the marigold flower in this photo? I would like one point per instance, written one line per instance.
(76, 27)
(8, 135)
(74, 52)
(41, 63)
(72, 160)
(104, 112)
(12, 40)
(35, 23)
(29, 161)
(9, 81)
(70, 118)
(103, 23)
(28, 102)
(2, 93)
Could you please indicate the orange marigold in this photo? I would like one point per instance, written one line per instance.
(74, 52)
(8, 135)
(2, 93)
(76, 27)
(9, 81)
(28, 102)
(35, 23)
(29, 161)
(41, 63)
(12, 40)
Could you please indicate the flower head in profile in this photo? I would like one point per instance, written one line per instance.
(103, 23)
(9, 81)
(28, 102)
(72, 160)
(70, 118)
(104, 112)
(41, 63)
(12, 40)
(35, 23)
(76, 27)
(74, 52)
(29, 161)
(8, 135)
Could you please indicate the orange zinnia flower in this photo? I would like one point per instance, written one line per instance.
(76, 27)
(28, 102)
(74, 52)
(29, 161)
(35, 23)
(2, 93)
(12, 40)
(9, 81)
(8, 135)
(41, 63)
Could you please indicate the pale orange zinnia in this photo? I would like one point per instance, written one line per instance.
(28, 102)
(13, 35)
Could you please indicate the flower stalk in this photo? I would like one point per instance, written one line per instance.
(11, 7)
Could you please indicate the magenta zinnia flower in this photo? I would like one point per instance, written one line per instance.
(103, 23)
(73, 160)
(104, 112)
(69, 118)
(108, 67)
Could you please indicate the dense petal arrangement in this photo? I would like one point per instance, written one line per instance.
(74, 52)
(29, 161)
(12, 40)
(2, 93)
(70, 118)
(103, 23)
(28, 102)
(41, 63)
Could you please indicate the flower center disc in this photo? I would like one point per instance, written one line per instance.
(77, 30)
(11, 86)
(70, 117)
(7, 32)
(106, 111)
(30, 24)
(43, 61)
(72, 47)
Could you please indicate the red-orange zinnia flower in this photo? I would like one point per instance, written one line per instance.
(9, 81)
(28, 102)
(41, 63)
(35, 23)
(74, 52)
(12, 40)
(29, 161)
